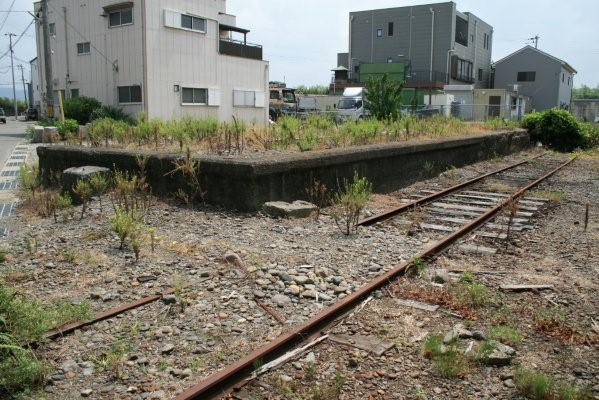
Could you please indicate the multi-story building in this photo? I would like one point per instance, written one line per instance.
(437, 44)
(532, 72)
(34, 85)
(167, 58)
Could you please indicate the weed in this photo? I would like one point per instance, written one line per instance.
(2, 256)
(99, 185)
(152, 233)
(427, 169)
(505, 334)
(472, 294)
(83, 189)
(557, 197)
(319, 195)
(538, 386)
(123, 193)
(19, 369)
(63, 205)
(178, 286)
(467, 277)
(448, 361)
(114, 359)
(163, 365)
(196, 363)
(69, 255)
(123, 223)
(189, 168)
(29, 180)
(310, 371)
(416, 267)
(349, 202)
(137, 236)
(257, 364)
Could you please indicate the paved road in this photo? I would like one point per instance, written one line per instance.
(11, 134)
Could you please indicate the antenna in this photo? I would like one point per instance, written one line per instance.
(534, 39)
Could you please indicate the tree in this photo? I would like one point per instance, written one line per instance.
(585, 92)
(384, 98)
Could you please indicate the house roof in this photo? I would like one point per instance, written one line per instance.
(562, 62)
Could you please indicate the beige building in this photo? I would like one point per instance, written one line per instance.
(168, 58)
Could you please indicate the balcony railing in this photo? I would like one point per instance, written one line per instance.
(240, 49)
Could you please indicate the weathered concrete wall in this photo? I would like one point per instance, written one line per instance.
(245, 184)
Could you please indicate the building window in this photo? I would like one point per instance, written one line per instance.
(194, 96)
(480, 74)
(74, 93)
(379, 33)
(568, 81)
(52, 29)
(390, 29)
(526, 76)
(244, 98)
(461, 31)
(129, 94)
(486, 41)
(83, 48)
(463, 70)
(120, 17)
(193, 23)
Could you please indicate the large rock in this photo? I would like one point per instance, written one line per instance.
(38, 134)
(297, 209)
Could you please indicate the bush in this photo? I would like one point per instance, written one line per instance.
(349, 202)
(114, 113)
(80, 108)
(555, 128)
(67, 126)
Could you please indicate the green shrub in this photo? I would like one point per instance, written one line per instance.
(67, 126)
(80, 108)
(538, 386)
(555, 128)
(448, 361)
(111, 112)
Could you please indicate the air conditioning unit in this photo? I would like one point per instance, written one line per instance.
(514, 87)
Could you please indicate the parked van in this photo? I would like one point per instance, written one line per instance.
(353, 105)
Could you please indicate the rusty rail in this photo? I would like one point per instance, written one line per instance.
(386, 215)
(228, 379)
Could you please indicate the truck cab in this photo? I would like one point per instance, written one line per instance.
(352, 105)
(282, 101)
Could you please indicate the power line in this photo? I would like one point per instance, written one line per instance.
(17, 41)
(6, 17)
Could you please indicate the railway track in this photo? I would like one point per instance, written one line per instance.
(471, 210)
(234, 376)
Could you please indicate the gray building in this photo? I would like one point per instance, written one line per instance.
(438, 44)
(545, 78)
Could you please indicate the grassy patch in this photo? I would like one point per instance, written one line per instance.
(448, 361)
(538, 386)
(505, 334)
(556, 197)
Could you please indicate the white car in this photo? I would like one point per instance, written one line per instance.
(597, 118)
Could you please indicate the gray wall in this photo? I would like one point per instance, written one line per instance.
(547, 91)
(412, 38)
(246, 184)
(585, 110)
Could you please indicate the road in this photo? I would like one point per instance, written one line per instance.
(11, 134)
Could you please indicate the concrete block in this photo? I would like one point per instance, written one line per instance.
(72, 175)
(38, 134)
(50, 134)
(297, 209)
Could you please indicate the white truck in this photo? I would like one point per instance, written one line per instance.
(353, 105)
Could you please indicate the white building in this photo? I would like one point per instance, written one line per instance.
(168, 58)
(35, 86)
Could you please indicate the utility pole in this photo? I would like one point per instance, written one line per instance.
(536, 40)
(12, 68)
(47, 59)
(23, 79)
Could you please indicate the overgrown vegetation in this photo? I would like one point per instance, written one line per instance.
(349, 202)
(80, 108)
(384, 98)
(24, 321)
(559, 130)
(448, 360)
(538, 386)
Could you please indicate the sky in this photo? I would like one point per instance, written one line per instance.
(301, 39)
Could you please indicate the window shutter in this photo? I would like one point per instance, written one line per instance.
(172, 19)
(214, 97)
(260, 99)
(238, 98)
